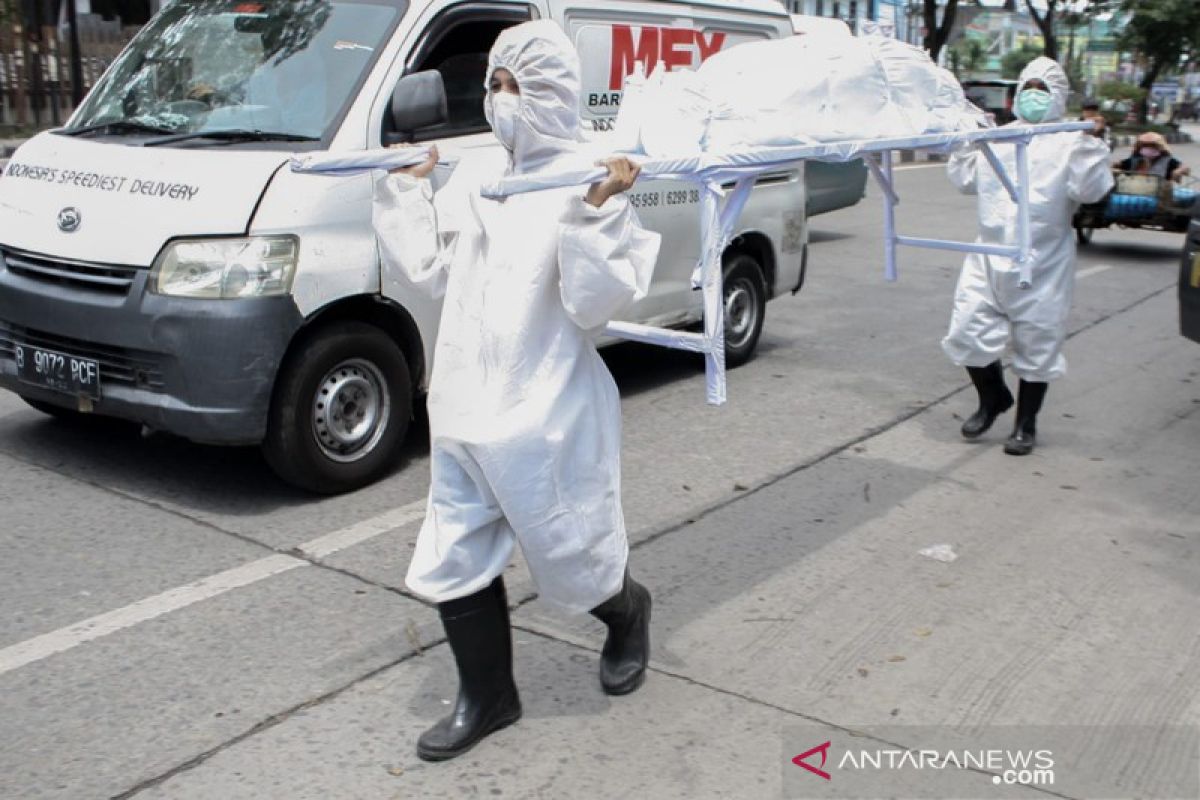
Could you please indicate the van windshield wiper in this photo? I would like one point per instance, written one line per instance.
(115, 126)
(234, 135)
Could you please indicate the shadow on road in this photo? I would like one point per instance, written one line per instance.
(1108, 243)
(817, 237)
(113, 453)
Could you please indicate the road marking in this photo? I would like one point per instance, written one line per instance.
(48, 644)
(358, 533)
(1096, 270)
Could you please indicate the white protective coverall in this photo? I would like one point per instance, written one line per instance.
(524, 416)
(1065, 169)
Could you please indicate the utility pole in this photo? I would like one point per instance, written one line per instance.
(76, 56)
(33, 33)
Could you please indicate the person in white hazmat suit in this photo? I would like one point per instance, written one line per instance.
(524, 416)
(991, 311)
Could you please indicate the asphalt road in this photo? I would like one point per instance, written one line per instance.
(180, 624)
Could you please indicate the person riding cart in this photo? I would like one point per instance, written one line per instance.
(1151, 156)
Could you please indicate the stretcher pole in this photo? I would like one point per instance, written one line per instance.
(1024, 233)
(1001, 172)
(881, 167)
(713, 289)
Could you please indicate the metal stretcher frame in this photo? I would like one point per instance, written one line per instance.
(719, 219)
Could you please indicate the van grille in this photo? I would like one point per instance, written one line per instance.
(117, 364)
(108, 278)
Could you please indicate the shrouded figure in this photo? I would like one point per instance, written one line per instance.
(524, 416)
(991, 311)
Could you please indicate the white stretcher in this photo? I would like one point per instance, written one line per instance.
(718, 219)
(720, 208)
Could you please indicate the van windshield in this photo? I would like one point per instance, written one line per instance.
(282, 67)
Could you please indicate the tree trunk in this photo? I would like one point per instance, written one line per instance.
(936, 35)
(1148, 84)
(1045, 24)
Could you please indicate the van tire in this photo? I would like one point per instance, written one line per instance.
(745, 291)
(368, 377)
(1083, 235)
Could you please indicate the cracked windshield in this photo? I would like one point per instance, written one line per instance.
(279, 66)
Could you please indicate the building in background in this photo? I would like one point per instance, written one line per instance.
(852, 12)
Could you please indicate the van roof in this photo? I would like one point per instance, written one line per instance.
(773, 8)
(803, 23)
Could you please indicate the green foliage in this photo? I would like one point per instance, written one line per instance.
(1116, 90)
(9, 12)
(967, 56)
(1162, 30)
(1015, 60)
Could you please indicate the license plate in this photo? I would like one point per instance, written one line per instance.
(1195, 281)
(79, 377)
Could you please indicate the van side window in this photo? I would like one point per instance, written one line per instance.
(457, 46)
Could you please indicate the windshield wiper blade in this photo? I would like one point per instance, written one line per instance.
(234, 135)
(116, 126)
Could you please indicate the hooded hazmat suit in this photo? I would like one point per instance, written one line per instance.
(524, 416)
(1065, 169)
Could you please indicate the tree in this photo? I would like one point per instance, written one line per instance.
(967, 56)
(937, 35)
(1163, 32)
(1015, 60)
(1045, 23)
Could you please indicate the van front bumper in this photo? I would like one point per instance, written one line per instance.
(201, 369)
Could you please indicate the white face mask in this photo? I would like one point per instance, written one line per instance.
(505, 106)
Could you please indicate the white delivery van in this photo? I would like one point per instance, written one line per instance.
(160, 261)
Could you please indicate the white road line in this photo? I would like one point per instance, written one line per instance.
(330, 543)
(1096, 270)
(48, 644)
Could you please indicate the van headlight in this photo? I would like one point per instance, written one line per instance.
(218, 269)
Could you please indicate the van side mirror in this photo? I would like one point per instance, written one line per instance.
(418, 101)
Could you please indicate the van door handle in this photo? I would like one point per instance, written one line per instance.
(765, 180)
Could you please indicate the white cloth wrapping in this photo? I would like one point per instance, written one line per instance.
(524, 417)
(990, 310)
(796, 90)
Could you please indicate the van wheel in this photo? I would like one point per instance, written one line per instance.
(745, 308)
(1083, 235)
(340, 410)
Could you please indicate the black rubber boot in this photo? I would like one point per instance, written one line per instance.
(478, 630)
(1029, 403)
(627, 648)
(994, 399)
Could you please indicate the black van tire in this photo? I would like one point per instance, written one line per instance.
(357, 362)
(1083, 234)
(745, 299)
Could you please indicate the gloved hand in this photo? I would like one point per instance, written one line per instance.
(622, 174)
(421, 170)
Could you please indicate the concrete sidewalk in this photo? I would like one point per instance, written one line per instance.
(1073, 600)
